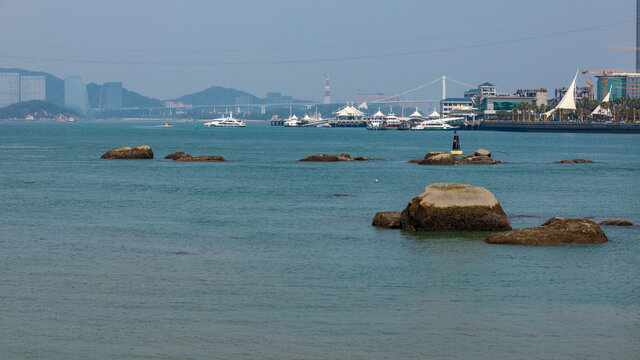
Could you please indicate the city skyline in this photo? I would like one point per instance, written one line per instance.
(173, 49)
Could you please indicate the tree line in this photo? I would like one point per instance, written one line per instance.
(623, 110)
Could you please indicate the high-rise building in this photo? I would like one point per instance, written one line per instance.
(327, 89)
(274, 98)
(9, 89)
(75, 94)
(621, 85)
(32, 88)
(111, 96)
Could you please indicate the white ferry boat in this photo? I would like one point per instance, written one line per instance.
(225, 122)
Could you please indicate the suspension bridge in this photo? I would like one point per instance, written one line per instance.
(399, 98)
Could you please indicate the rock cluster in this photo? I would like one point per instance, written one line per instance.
(449, 207)
(480, 157)
(139, 152)
(575, 161)
(554, 231)
(183, 156)
(616, 223)
(332, 158)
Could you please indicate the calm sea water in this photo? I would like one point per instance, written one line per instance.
(264, 257)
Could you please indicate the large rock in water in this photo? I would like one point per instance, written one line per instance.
(436, 158)
(454, 207)
(139, 152)
(553, 232)
(387, 219)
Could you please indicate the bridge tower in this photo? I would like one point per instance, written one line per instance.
(327, 89)
(444, 86)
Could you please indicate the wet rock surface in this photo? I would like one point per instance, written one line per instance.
(387, 220)
(616, 223)
(139, 152)
(183, 156)
(554, 231)
(477, 160)
(177, 155)
(480, 157)
(333, 158)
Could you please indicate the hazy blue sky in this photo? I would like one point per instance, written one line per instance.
(165, 49)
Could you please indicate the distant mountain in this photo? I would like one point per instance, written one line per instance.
(38, 109)
(133, 99)
(216, 95)
(54, 87)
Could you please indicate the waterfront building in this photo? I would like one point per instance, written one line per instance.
(75, 94)
(9, 89)
(539, 94)
(446, 105)
(622, 86)
(471, 93)
(111, 96)
(491, 104)
(486, 89)
(581, 92)
(32, 88)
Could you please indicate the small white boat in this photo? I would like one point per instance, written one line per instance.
(431, 125)
(225, 122)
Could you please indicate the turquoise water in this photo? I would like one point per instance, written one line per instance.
(259, 258)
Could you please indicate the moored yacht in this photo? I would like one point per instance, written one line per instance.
(225, 122)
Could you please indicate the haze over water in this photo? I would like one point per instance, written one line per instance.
(259, 258)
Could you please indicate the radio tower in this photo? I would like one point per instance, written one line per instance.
(327, 89)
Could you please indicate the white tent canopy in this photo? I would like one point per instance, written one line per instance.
(350, 111)
(434, 115)
(599, 110)
(568, 101)
(363, 106)
(378, 114)
(416, 114)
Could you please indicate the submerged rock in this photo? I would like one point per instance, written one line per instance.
(616, 223)
(454, 207)
(554, 231)
(332, 158)
(387, 220)
(575, 161)
(139, 152)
